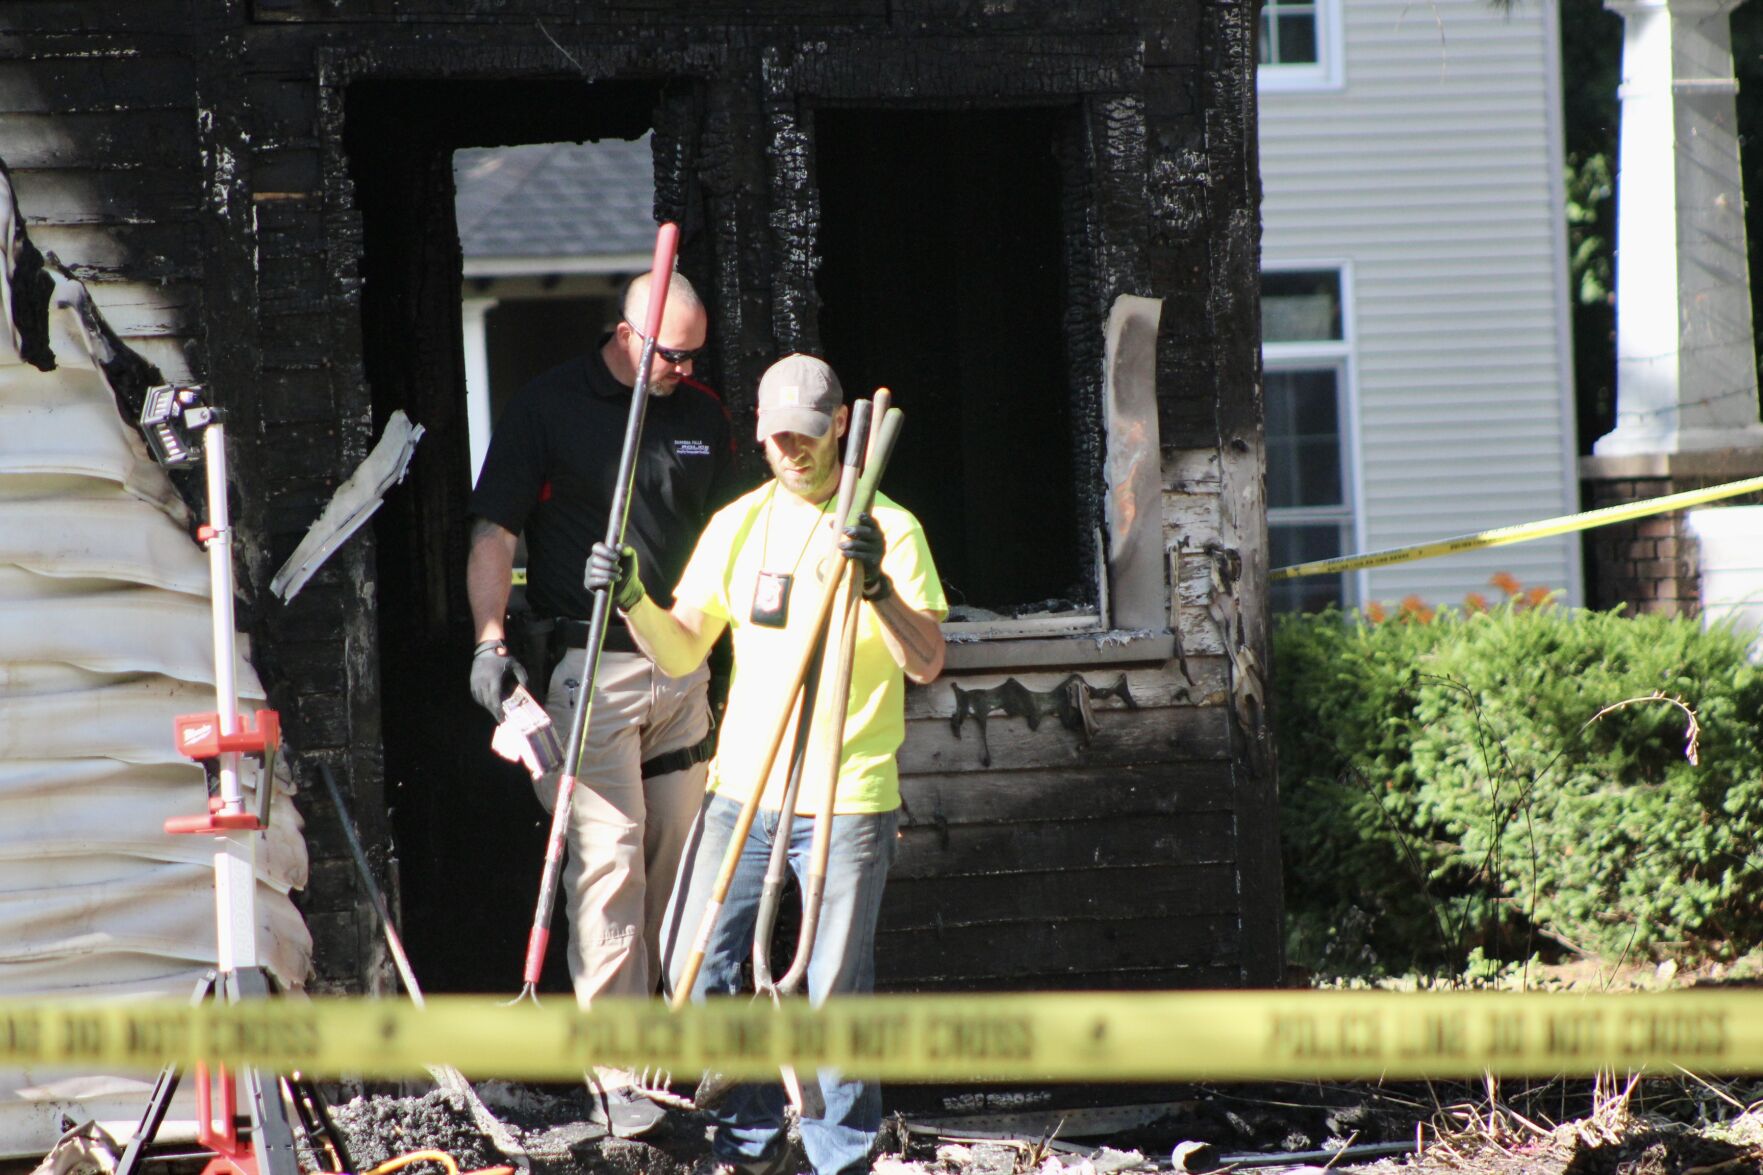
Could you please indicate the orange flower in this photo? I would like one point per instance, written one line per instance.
(1414, 608)
(1536, 597)
(1505, 581)
(1374, 612)
(1475, 602)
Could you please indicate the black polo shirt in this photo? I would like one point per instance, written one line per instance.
(551, 469)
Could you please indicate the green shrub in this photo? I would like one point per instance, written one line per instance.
(1445, 789)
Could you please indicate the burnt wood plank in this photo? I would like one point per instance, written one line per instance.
(84, 16)
(1228, 98)
(1086, 653)
(147, 309)
(965, 850)
(164, 252)
(1027, 15)
(77, 84)
(943, 903)
(992, 797)
(1048, 947)
(978, 67)
(1161, 685)
(67, 196)
(1123, 738)
(108, 140)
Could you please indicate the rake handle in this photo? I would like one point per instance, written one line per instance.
(660, 272)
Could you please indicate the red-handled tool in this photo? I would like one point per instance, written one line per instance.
(666, 247)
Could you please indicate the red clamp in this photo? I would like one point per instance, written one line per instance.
(198, 737)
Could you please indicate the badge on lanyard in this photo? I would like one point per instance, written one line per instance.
(771, 599)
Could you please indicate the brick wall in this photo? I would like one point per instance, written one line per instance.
(1652, 564)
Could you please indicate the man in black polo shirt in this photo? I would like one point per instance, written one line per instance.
(550, 471)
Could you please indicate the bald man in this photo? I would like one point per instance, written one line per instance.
(550, 472)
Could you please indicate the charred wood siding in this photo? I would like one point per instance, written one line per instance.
(194, 159)
(1061, 865)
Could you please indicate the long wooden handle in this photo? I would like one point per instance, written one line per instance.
(837, 702)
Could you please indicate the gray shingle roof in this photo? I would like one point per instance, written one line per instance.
(556, 199)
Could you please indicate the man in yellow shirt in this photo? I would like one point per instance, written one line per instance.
(754, 573)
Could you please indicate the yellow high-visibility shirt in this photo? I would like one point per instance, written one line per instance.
(771, 530)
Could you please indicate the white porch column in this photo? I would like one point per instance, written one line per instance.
(1686, 373)
(477, 378)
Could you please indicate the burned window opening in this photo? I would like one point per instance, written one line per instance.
(942, 275)
(459, 815)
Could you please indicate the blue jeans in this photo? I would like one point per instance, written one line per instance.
(749, 1123)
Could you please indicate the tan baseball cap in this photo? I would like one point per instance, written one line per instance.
(798, 393)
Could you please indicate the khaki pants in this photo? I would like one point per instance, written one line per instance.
(625, 832)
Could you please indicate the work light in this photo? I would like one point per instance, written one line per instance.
(171, 419)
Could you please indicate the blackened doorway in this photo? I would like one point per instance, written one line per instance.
(469, 833)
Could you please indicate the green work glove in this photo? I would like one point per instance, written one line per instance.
(615, 571)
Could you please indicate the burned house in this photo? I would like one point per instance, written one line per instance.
(1034, 221)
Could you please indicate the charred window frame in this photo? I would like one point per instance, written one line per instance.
(957, 266)
(1307, 358)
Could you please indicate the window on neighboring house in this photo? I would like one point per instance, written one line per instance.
(1305, 355)
(1299, 45)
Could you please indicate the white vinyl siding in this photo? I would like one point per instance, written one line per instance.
(1434, 171)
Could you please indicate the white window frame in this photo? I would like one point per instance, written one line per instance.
(1325, 74)
(1340, 355)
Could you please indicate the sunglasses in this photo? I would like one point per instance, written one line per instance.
(673, 356)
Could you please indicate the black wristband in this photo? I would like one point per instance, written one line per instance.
(485, 646)
(881, 589)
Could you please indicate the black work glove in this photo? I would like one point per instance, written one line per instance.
(865, 543)
(615, 571)
(491, 667)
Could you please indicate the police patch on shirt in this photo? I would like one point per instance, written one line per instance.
(691, 448)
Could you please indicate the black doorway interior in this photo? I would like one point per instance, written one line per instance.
(469, 833)
(942, 241)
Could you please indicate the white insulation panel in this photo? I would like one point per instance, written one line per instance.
(105, 637)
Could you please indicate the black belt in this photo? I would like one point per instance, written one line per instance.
(574, 635)
(667, 762)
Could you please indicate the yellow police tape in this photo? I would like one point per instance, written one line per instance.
(1502, 535)
(1089, 1036)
